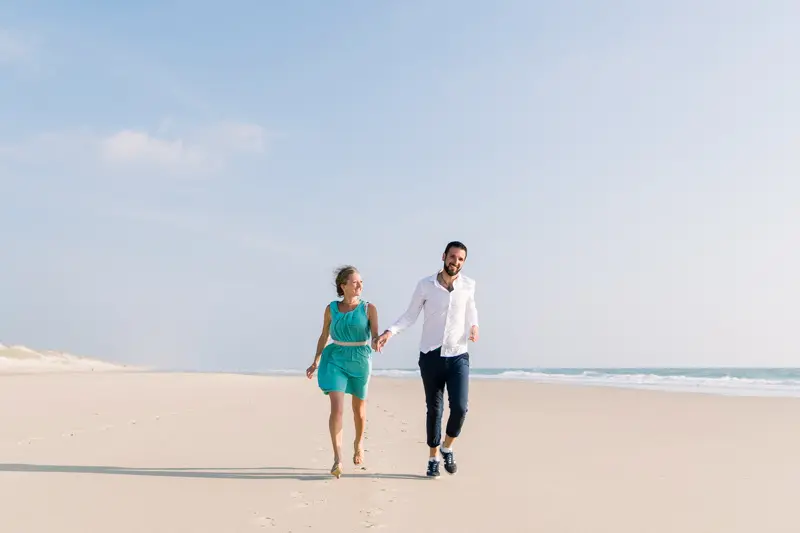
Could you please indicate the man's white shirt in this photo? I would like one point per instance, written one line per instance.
(448, 315)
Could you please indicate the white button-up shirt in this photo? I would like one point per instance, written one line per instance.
(448, 315)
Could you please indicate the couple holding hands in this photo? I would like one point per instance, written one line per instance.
(345, 365)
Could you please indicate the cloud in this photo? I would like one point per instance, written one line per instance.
(206, 150)
(15, 48)
(134, 147)
(201, 151)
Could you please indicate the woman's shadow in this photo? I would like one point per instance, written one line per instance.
(257, 473)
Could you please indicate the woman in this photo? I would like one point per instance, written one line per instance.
(345, 365)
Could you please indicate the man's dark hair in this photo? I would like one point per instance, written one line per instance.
(456, 244)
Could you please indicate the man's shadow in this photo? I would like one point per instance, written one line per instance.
(257, 473)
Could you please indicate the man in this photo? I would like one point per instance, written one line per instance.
(451, 318)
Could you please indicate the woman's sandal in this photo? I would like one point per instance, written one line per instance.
(336, 471)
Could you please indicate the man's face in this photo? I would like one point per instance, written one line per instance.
(454, 260)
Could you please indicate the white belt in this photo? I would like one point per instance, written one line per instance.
(356, 343)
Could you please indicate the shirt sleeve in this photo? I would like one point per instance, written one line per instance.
(472, 310)
(412, 313)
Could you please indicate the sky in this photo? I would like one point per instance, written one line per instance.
(179, 180)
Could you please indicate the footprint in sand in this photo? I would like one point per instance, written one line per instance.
(388, 499)
(265, 521)
(302, 504)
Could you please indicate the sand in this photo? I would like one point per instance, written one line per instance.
(149, 452)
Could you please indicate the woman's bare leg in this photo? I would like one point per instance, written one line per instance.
(360, 419)
(335, 428)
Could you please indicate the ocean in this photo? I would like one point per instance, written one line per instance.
(729, 381)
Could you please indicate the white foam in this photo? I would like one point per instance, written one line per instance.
(396, 373)
(727, 385)
(717, 385)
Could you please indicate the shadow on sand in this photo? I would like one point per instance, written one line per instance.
(259, 473)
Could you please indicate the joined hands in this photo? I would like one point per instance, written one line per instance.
(377, 344)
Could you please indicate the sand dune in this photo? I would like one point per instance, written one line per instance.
(18, 358)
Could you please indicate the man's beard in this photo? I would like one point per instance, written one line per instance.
(451, 269)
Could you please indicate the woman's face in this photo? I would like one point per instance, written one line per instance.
(353, 286)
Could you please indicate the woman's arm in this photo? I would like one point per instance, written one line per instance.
(321, 342)
(372, 314)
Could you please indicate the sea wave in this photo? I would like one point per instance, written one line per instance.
(720, 385)
(714, 381)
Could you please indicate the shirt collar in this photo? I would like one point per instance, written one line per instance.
(456, 281)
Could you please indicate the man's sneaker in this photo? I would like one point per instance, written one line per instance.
(433, 468)
(449, 462)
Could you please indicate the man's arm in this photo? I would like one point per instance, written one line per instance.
(408, 318)
(472, 310)
(472, 315)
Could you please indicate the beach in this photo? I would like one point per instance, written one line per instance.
(195, 452)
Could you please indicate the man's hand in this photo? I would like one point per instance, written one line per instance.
(382, 340)
(473, 334)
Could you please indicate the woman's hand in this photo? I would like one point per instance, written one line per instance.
(310, 370)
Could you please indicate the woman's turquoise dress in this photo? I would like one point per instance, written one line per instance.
(347, 368)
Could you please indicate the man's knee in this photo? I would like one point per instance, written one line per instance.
(435, 405)
(434, 397)
(458, 401)
(459, 410)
